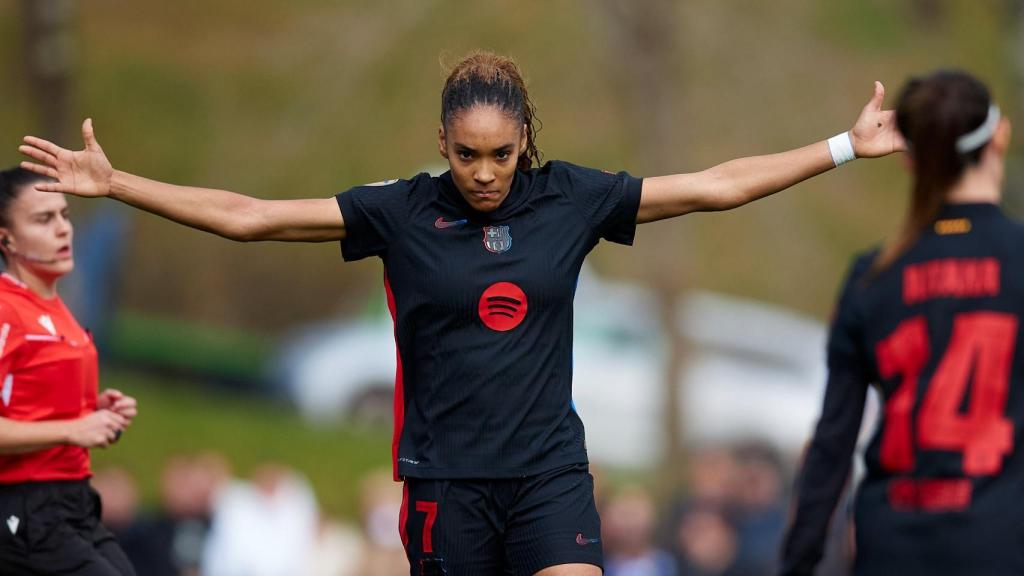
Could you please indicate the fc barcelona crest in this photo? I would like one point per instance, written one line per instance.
(497, 239)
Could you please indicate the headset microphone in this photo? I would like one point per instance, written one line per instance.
(28, 256)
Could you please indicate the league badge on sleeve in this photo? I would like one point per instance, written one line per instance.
(497, 239)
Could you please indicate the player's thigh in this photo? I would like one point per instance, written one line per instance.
(67, 552)
(571, 570)
(48, 530)
(71, 541)
(554, 526)
(450, 527)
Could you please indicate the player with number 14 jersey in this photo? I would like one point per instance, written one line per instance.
(934, 320)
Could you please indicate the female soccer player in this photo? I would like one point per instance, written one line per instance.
(50, 409)
(480, 266)
(933, 320)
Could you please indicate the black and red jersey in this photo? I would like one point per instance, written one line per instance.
(939, 334)
(48, 371)
(483, 312)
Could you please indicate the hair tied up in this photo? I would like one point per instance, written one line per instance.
(487, 79)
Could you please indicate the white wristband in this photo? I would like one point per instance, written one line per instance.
(841, 148)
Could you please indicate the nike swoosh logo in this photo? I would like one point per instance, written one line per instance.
(585, 541)
(441, 223)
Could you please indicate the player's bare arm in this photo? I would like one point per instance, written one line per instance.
(96, 430)
(89, 173)
(737, 182)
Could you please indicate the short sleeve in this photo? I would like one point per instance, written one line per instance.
(12, 336)
(374, 215)
(608, 201)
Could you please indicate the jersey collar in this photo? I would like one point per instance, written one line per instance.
(20, 286)
(14, 280)
(971, 210)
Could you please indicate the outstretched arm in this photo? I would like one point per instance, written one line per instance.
(89, 173)
(744, 180)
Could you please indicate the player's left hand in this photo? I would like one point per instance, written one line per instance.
(875, 134)
(117, 401)
(84, 172)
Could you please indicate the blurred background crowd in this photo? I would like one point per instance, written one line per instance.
(726, 519)
(264, 371)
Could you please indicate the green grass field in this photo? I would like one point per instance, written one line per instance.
(177, 417)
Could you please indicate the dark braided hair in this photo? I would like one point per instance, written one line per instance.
(486, 79)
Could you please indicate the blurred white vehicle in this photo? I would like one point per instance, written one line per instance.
(751, 371)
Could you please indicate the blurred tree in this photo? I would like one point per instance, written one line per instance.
(50, 63)
(1015, 46)
(929, 12)
(643, 50)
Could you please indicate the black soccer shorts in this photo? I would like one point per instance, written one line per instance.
(54, 528)
(502, 526)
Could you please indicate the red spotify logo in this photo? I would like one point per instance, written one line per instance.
(503, 306)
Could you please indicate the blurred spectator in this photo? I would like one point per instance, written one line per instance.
(339, 550)
(732, 519)
(169, 541)
(706, 543)
(120, 497)
(628, 525)
(188, 487)
(729, 522)
(120, 510)
(381, 507)
(759, 510)
(713, 473)
(264, 527)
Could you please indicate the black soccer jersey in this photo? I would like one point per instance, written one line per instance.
(482, 305)
(939, 333)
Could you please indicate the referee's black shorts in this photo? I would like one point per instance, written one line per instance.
(54, 528)
(501, 527)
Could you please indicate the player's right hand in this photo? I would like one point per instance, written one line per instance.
(83, 173)
(97, 430)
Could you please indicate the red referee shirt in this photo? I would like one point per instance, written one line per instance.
(48, 371)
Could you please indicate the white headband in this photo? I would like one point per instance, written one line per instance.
(979, 136)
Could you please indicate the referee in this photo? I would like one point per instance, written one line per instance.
(50, 410)
(480, 267)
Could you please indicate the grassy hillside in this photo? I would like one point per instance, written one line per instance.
(176, 418)
(307, 98)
